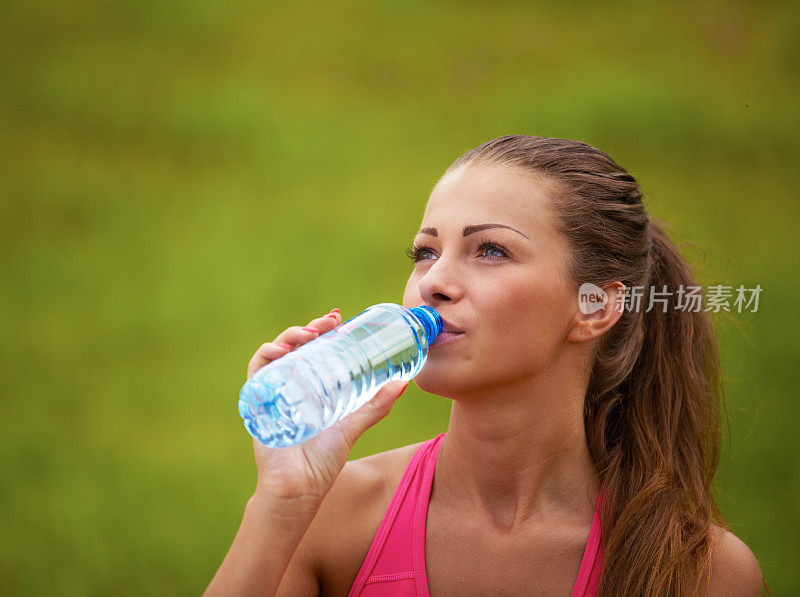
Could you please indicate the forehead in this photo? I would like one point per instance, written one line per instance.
(480, 194)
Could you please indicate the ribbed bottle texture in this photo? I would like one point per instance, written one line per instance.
(298, 395)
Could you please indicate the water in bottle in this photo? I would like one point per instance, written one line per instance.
(307, 390)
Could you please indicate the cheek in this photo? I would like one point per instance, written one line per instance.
(526, 321)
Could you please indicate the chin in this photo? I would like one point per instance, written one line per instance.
(447, 384)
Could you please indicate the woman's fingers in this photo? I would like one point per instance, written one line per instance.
(290, 339)
(297, 336)
(328, 321)
(266, 353)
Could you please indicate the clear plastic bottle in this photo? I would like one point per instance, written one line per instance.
(295, 397)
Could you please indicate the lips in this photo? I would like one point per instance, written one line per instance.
(445, 338)
(450, 327)
(449, 332)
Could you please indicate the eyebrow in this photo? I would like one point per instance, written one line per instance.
(470, 229)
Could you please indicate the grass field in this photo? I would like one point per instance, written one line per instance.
(183, 180)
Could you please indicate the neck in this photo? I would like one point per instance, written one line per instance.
(519, 453)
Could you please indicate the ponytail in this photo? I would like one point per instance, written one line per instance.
(659, 443)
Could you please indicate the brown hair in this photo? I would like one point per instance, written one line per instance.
(652, 411)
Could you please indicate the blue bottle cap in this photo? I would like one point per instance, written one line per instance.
(430, 319)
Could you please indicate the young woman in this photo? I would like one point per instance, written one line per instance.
(582, 442)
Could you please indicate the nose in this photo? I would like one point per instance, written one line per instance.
(440, 283)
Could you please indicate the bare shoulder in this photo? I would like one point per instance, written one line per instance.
(366, 480)
(734, 568)
(339, 537)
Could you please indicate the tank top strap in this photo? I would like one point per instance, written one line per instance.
(395, 562)
(588, 581)
(421, 514)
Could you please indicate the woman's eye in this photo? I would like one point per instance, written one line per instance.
(490, 247)
(419, 253)
(416, 253)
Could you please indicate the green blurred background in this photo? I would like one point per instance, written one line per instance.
(183, 180)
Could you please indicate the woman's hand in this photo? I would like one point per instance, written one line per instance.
(291, 481)
(306, 472)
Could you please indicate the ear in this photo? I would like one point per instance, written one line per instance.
(598, 310)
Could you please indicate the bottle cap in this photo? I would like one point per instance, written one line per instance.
(430, 319)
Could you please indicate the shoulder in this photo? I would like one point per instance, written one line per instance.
(370, 474)
(367, 479)
(343, 529)
(734, 568)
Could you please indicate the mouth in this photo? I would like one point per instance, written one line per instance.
(450, 328)
(445, 338)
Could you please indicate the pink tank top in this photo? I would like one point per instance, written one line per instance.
(395, 562)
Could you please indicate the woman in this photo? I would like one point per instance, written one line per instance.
(583, 437)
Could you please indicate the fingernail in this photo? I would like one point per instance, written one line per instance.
(282, 345)
(334, 311)
(310, 329)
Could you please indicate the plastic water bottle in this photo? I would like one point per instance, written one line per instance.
(307, 390)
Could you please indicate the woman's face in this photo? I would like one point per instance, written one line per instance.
(507, 289)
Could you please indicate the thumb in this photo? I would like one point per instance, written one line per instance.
(357, 422)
